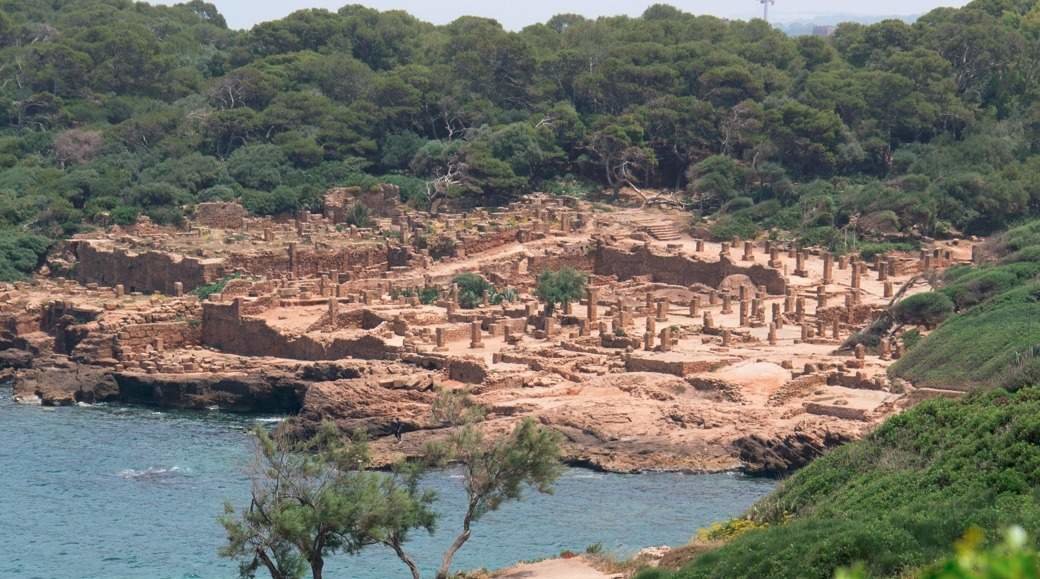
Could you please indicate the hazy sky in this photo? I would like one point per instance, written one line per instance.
(516, 14)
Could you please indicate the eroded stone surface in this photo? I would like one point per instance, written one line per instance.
(686, 354)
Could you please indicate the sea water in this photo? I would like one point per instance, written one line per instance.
(134, 493)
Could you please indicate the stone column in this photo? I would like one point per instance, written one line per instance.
(662, 310)
(700, 246)
(666, 339)
(888, 289)
(821, 298)
(799, 268)
(178, 289)
(861, 352)
(651, 325)
(550, 327)
(294, 267)
(695, 306)
(828, 268)
(592, 312)
(709, 321)
(648, 341)
(475, 336)
(713, 297)
(843, 263)
(772, 334)
(886, 349)
(836, 328)
(724, 252)
(120, 290)
(333, 311)
(727, 303)
(774, 258)
(882, 272)
(744, 321)
(726, 338)
(442, 340)
(789, 301)
(778, 320)
(749, 254)
(805, 332)
(855, 276)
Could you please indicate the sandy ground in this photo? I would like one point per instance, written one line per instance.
(576, 568)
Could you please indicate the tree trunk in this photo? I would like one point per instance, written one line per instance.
(442, 573)
(396, 546)
(271, 567)
(317, 568)
(445, 569)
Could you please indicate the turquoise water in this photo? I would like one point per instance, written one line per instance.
(128, 493)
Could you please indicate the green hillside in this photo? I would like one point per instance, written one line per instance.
(899, 499)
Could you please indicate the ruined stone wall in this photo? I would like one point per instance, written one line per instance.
(382, 201)
(582, 260)
(486, 241)
(220, 215)
(680, 269)
(225, 328)
(151, 271)
(307, 261)
(173, 335)
(20, 323)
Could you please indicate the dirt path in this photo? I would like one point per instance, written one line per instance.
(554, 569)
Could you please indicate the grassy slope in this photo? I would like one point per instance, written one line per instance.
(901, 497)
(992, 344)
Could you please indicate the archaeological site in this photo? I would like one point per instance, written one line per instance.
(682, 355)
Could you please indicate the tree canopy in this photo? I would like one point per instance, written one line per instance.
(114, 109)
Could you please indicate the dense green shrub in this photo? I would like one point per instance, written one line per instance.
(560, 287)
(472, 288)
(20, 254)
(734, 226)
(927, 309)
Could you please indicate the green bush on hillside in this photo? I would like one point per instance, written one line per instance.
(897, 500)
(984, 346)
(927, 309)
(20, 254)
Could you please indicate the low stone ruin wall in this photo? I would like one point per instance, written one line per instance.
(220, 215)
(306, 261)
(172, 335)
(680, 269)
(151, 271)
(225, 328)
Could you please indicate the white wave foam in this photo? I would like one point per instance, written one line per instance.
(152, 472)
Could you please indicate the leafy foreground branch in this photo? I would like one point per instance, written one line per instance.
(315, 498)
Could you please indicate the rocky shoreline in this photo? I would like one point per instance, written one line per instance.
(373, 397)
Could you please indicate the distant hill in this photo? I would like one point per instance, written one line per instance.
(804, 26)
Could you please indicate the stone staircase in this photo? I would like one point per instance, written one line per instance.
(662, 231)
